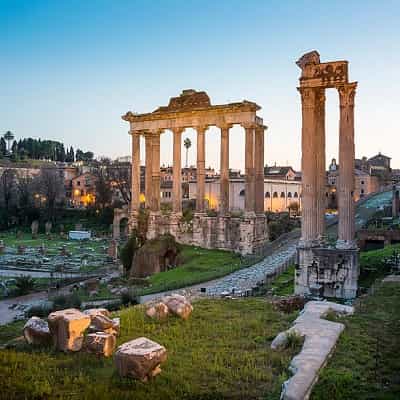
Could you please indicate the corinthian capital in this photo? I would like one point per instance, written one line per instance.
(347, 93)
(308, 96)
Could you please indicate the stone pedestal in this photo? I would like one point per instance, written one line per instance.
(327, 272)
(253, 233)
(154, 224)
(174, 221)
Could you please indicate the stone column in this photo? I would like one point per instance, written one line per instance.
(259, 169)
(308, 166)
(395, 202)
(177, 171)
(249, 168)
(224, 173)
(201, 150)
(135, 171)
(149, 167)
(155, 175)
(346, 166)
(320, 167)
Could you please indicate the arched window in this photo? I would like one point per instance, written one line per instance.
(296, 195)
(283, 194)
(289, 195)
(267, 195)
(275, 195)
(242, 192)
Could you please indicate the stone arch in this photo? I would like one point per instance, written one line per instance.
(121, 215)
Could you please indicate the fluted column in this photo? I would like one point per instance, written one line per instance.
(177, 171)
(249, 168)
(308, 165)
(224, 167)
(346, 165)
(320, 166)
(201, 174)
(149, 168)
(259, 169)
(135, 171)
(155, 176)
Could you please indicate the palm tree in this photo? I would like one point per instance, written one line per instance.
(9, 137)
(187, 143)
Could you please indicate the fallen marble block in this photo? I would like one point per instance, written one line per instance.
(67, 328)
(100, 343)
(320, 337)
(158, 311)
(36, 331)
(92, 312)
(178, 305)
(101, 322)
(140, 359)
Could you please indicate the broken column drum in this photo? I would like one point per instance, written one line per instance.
(324, 270)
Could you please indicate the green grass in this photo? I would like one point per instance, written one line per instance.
(199, 265)
(221, 352)
(283, 285)
(366, 362)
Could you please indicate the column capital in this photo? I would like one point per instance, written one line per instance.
(261, 128)
(224, 126)
(178, 129)
(201, 128)
(249, 125)
(347, 93)
(134, 132)
(311, 95)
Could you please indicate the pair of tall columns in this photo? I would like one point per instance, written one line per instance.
(254, 168)
(313, 163)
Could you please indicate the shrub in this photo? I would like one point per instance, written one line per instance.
(129, 297)
(41, 310)
(62, 301)
(294, 341)
(128, 251)
(24, 284)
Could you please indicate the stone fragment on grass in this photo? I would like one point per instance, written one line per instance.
(101, 322)
(67, 328)
(140, 359)
(100, 343)
(96, 311)
(178, 305)
(36, 331)
(320, 338)
(158, 311)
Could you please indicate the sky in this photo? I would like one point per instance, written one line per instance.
(70, 69)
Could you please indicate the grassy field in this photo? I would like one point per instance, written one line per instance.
(221, 352)
(366, 362)
(199, 265)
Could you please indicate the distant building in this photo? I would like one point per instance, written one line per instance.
(83, 190)
(280, 173)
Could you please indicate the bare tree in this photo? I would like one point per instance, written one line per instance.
(7, 193)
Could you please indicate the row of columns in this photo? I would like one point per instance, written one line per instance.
(254, 169)
(313, 163)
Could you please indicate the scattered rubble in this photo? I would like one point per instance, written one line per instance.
(100, 343)
(36, 331)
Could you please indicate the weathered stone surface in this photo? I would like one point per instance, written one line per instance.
(178, 305)
(158, 311)
(36, 331)
(100, 343)
(320, 337)
(67, 328)
(101, 322)
(92, 312)
(140, 358)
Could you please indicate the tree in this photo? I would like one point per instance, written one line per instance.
(7, 195)
(188, 144)
(103, 188)
(3, 147)
(51, 188)
(9, 137)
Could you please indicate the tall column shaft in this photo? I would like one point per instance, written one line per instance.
(249, 168)
(201, 173)
(177, 171)
(346, 163)
(320, 166)
(135, 189)
(224, 167)
(149, 169)
(308, 165)
(259, 169)
(155, 176)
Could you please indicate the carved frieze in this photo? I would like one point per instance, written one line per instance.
(188, 99)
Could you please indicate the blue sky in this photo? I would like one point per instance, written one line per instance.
(70, 69)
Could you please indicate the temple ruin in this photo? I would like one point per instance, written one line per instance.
(245, 234)
(322, 269)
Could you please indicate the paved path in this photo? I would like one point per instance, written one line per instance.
(244, 279)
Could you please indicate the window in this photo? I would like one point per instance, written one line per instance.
(283, 194)
(242, 192)
(267, 195)
(362, 191)
(289, 195)
(275, 195)
(78, 183)
(295, 195)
